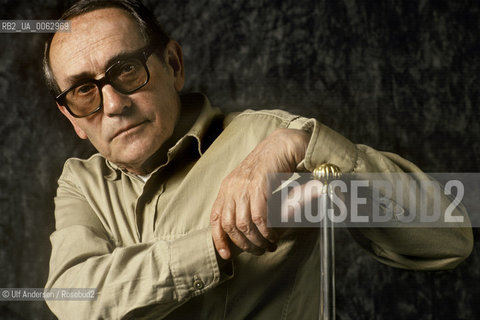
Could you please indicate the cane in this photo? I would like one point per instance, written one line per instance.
(325, 173)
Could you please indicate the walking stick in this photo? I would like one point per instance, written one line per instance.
(325, 173)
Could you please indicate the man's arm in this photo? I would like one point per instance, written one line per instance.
(166, 273)
(239, 213)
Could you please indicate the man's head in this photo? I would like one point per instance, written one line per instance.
(136, 117)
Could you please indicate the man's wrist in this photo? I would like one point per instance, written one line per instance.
(297, 144)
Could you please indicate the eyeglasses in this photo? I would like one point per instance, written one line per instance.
(125, 76)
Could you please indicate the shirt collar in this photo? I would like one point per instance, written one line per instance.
(197, 131)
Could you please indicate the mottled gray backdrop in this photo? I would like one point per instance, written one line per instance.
(401, 76)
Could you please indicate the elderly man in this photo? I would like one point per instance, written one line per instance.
(169, 219)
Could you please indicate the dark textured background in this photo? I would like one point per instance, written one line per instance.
(398, 75)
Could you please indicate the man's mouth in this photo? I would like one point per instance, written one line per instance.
(127, 129)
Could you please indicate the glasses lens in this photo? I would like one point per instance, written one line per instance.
(125, 76)
(128, 76)
(83, 99)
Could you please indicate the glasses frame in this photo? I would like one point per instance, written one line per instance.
(142, 55)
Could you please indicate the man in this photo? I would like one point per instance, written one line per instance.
(169, 219)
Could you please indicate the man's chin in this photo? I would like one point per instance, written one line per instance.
(131, 161)
(138, 156)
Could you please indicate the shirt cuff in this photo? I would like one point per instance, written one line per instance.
(325, 146)
(194, 264)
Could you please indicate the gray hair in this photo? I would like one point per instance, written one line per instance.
(148, 25)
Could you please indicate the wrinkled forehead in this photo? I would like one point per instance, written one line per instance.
(95, 37)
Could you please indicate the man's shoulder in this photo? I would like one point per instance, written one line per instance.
(250, 116)
(94, 161)
(94, 165)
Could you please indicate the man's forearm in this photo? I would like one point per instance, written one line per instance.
(414, 248)
(166, 273)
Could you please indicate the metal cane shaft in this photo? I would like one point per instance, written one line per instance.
(324, 173)
(327, 260)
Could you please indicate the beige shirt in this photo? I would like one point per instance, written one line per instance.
(147, 246)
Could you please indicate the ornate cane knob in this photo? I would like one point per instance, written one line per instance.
(326, 172)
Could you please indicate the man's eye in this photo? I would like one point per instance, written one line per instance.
(127, 68)
(85, 89)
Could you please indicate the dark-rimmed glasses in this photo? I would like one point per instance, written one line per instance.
(126, 76)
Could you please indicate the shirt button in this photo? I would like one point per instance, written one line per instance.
(198, 284)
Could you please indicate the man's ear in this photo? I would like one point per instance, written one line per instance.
(174, 59)
(73, 121)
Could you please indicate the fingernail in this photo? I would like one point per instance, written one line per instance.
(223, 253)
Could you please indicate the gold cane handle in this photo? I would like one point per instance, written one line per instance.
(327, 172)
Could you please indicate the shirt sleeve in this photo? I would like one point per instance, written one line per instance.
(165, 274)
(410, 248)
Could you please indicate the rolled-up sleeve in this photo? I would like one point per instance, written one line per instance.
(411, 248)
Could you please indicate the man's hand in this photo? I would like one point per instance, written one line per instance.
(239, 214)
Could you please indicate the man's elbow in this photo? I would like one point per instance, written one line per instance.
(455, 247)
(463, 247)
(419, 248)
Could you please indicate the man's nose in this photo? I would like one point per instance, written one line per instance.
(114, 102)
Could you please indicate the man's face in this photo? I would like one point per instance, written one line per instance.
(129, 129)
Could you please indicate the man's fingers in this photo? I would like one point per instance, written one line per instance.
(225, 231)
(229, 225)
(220, 238)
(259, 217)
(246, 226)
